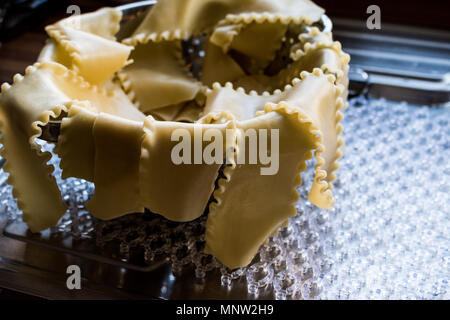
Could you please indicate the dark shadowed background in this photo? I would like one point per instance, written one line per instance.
(22, 35)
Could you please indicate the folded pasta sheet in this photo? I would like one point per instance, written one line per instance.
(149, 132)
(87, 45)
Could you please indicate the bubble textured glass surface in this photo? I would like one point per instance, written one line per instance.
(386, 238)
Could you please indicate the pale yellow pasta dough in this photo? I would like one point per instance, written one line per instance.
(317, 97)
(307, 55)
(190, 112)
(77, 159)
(87, 45)
(53, 52)
(103, 22)
(178, 192)
(219, 67)
(45, 91)
(235, 232)
(117, 144)
(188, 17)
(34, 187)
(168, 113)
(156, 78)
(242, 105)
(259, 51)
(96, 59)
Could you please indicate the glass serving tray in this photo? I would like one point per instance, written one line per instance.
(387, 237)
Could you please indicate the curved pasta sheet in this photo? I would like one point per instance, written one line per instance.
(156, 78)
(326, 56)
(89, 47)
(179, 192)
(190, 113)
(257, 82)
(234, 233)
(53, 52)
(24, 106)
(312, 36)
(114, 88)
(117, 144)
(75, 145)
(168, 113)
(104, 22)
(96, 59)
(242, 105)
(47, 90)
(323, 58)
(334, 59)
(184, 18)
(33, 185)
(218, 66)
(255, 52)
(317, 97)
(57, 83)
(330, 57)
